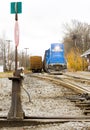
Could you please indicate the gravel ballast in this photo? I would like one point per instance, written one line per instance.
(47, 99)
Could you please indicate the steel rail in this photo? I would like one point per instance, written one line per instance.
(65, 83)
(78, 77)
(33, 121)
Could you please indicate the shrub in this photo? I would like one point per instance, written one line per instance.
(75, 61)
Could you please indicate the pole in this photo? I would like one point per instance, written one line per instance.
(83, 52)
(26, 56)
(16, 58)
(9, 53)
(16, 55)
(22, 63)
(16, 112)
(16, 51)
(4, 53)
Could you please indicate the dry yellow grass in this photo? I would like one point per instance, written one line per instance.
(75, 61)
(6, 74)
(10, 74)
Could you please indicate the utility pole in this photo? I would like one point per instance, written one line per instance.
(83, 52)
(26, 55)
(4, 58)
(74, 38)
(8, 53)
(22, 63)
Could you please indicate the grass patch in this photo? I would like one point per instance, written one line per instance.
(6, 74)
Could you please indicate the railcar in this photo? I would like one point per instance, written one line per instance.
(36, 63)
(54, 59)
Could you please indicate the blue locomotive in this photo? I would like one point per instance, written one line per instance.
(54, 59)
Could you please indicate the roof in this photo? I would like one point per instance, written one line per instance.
(86, 53)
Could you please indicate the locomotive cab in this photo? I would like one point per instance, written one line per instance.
(54, 58)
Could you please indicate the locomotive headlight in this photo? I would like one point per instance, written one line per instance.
(57, 48)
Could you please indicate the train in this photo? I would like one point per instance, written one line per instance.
(36, 64)
(54, 59)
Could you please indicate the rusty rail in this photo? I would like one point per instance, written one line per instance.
(33, 121)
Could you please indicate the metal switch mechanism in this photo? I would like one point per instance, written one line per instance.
(16, 112)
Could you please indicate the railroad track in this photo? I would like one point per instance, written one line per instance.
(82, 96)
(64, 82)
(79, 77)
(33, 121)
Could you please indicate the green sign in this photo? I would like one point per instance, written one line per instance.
(16, 7)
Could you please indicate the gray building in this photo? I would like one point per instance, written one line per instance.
(86, 54)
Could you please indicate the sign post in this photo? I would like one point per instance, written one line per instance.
(16, 7)
(16, 112)
(16, 37)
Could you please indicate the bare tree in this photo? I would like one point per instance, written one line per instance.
(77, 34)
(3, 52)
(24, 59)
(6, 55)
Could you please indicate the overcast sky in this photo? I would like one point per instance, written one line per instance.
(41, 21)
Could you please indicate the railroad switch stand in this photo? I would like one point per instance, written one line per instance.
(16, 112)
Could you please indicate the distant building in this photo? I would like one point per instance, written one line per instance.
(86, 54)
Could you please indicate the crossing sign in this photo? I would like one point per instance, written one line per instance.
(16, 33)
(16, 7)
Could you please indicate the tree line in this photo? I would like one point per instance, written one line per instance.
(76, 41)
(7, 56)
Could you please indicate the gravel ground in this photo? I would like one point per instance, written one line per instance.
(46, 100)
